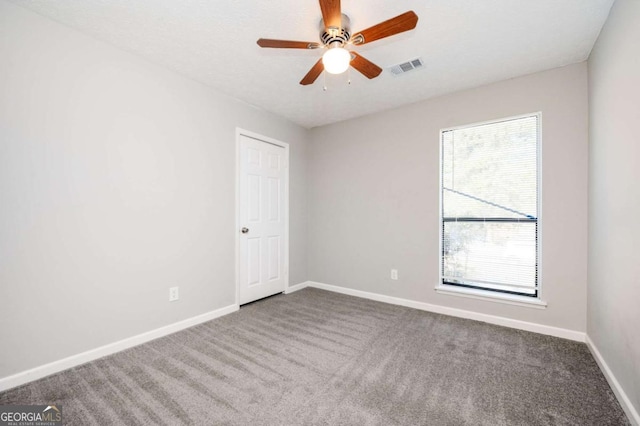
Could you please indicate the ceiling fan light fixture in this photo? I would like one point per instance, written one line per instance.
(336, 60)
(335, 33)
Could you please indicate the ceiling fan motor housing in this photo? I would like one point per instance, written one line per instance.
(331, 35)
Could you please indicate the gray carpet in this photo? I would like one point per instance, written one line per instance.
(315, 357)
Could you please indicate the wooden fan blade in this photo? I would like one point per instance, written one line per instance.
(401, 23)
(287, 44)
(313, 73)
(364, 66)
(331, 14)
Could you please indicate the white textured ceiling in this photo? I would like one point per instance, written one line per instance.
(464, 43)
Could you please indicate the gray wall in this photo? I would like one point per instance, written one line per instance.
(614, 197)
(373, 195)
(116, 183)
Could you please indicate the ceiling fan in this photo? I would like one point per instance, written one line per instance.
(335, 34)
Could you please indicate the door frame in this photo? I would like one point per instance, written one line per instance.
(242, 132)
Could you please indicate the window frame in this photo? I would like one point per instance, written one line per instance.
(488, 294)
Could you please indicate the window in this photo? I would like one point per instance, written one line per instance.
(489, 207)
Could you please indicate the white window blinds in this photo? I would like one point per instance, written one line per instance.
(490, 206)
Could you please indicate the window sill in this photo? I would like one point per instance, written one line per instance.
(510, 299)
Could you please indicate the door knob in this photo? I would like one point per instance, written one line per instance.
(244, 230)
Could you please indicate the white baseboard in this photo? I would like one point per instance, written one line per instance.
(439, 309)
(93, 354)
(623, 399)
(296, 287)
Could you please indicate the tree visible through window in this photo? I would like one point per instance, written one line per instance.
(490, 206)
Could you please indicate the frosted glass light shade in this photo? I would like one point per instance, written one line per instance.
(336, 60)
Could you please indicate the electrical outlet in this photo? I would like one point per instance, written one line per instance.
(394, 274)
(174, 294)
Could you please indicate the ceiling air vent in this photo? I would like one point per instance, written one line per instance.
(404, 67)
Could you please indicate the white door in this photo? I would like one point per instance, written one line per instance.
(261, 217)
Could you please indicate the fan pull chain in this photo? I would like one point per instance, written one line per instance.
(324, 81)
(349, 76)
